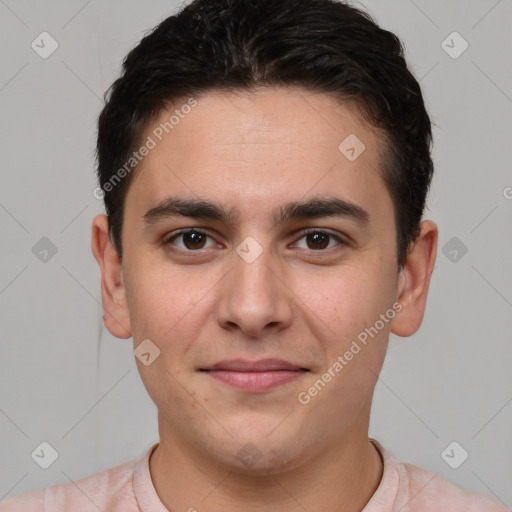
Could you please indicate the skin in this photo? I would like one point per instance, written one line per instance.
(256, 151)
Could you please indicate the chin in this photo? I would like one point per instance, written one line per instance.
(264, 460)
(263, 452)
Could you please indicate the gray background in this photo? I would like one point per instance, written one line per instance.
(65, 380)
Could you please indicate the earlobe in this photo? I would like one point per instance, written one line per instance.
(414, 280)
(116, 315)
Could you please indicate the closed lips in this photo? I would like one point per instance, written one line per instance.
(263, 365)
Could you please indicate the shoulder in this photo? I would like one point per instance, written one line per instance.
(33, 501)
(425, 490)
(408, 488)
(109, 490)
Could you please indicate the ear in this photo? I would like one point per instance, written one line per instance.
(116, 317)
(414, 280)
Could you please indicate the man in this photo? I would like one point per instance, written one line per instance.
(265, 166)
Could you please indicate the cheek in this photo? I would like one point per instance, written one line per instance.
(169, 306)
(156, 300)
(350, 299)
(352, 308)
(343, 297)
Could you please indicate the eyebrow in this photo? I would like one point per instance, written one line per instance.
(315, 207)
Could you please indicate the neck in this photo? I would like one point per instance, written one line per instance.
(343, 478)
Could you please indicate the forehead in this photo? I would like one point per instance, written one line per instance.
(254, 150)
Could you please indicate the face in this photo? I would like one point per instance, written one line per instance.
(280, 253)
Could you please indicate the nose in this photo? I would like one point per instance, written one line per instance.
(255, 298)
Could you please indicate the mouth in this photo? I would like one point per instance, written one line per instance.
(255, 376)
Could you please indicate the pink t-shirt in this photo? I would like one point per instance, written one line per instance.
(129, 488)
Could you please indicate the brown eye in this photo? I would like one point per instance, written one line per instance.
(320, 240)
(191, 240)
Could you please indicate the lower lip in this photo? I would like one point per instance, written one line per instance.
(256, 381)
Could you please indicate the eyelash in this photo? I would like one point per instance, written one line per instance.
(168, 241)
